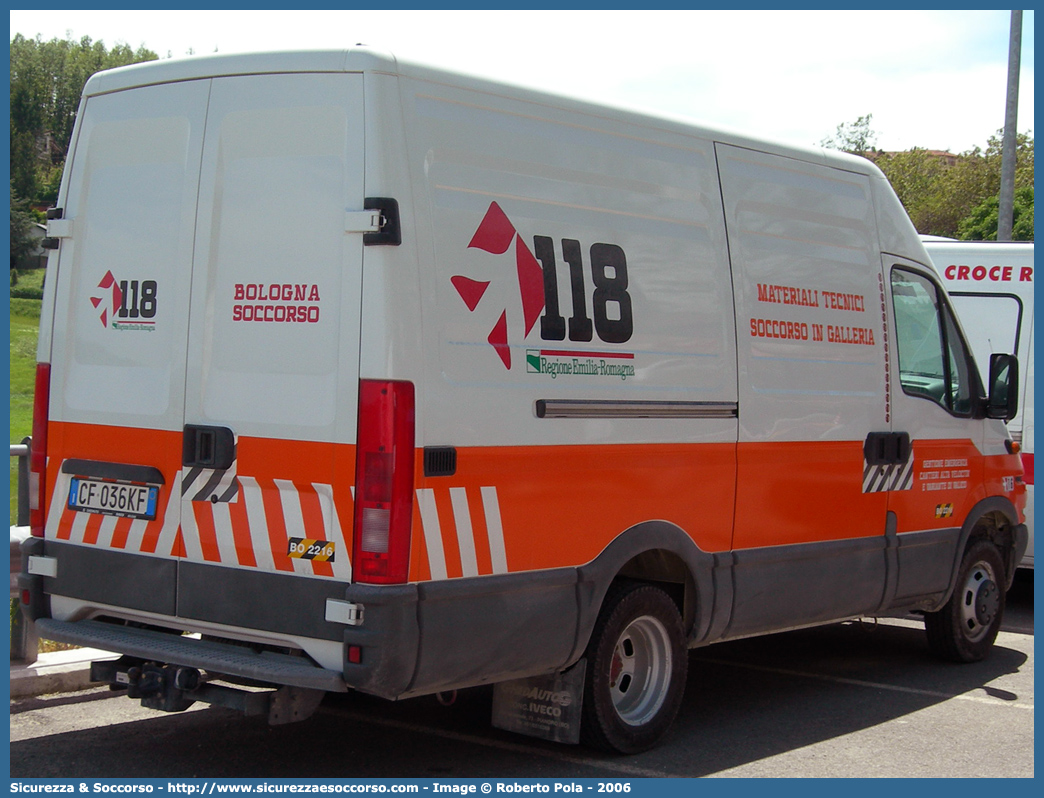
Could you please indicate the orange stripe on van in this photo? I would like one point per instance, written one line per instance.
(277, 536)
(483, 558)
(448, 528)
(264, 460)
(178, 549)
(90, 535)
(303, 462)
(150, 540)
(65, 525)
(207, 533)
(532, 507)
(546, 494)
(801, 492)
(160, 448)
(241, 534)
(121, 533)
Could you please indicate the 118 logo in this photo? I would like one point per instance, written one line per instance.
(126, 301)
(611, 307)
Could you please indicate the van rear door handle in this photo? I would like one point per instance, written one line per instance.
(208, 447)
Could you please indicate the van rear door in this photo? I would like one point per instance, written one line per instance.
(273, 368)
(272, 382)
(120, 328)
(206, 340)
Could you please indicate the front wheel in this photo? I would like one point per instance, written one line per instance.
(636, 669)
(965, 628)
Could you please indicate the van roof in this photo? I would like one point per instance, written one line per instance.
(365, 59)
(206, 66)
(994, 247)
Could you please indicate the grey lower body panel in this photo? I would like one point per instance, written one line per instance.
(426, 637)
(777, 587)
(285, 604)
(437, 636)
(137, 582)
(416, 639)
(780, 587)
(926, 563)
(211, 656)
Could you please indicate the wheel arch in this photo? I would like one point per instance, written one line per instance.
(995, 519)
(653, 552)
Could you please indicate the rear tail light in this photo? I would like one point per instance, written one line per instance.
(384, 482)
(38, 450)
(1027, 467)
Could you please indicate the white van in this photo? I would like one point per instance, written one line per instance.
(374, 377)
(991, 286)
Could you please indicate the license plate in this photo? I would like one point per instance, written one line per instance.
(113, 498)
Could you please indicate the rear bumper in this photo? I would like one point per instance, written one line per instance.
(438, 636)
(415, 639)
(214, 657)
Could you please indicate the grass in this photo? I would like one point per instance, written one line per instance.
(25, 319)
(29, 283)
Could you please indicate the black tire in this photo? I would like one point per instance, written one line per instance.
(965, 628)
(637, 664)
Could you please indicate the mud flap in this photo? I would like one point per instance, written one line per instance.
(547, 707)
(292, 704)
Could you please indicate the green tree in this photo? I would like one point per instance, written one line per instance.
(918, 178)
(975, 179)
(942, 192)
(21, 240)
(46, 81)
(981, 223)
(856, 137)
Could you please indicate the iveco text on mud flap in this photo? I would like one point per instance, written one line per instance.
(426, 382)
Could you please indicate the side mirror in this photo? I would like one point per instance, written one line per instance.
(1003, 400)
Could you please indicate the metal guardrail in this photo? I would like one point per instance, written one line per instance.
(21, 451)
(20, 532)
(24, 643)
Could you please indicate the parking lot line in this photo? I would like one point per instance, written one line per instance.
(987, 699)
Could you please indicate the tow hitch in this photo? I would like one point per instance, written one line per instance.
(174, 688)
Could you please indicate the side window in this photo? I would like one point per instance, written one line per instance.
(933, 360)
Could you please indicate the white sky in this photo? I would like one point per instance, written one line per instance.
(933, 79)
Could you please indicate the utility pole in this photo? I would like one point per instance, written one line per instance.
(1011, 115)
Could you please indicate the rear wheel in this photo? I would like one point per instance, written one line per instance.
(965, 628)
(636, 669)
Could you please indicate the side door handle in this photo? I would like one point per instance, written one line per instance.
(886, 448)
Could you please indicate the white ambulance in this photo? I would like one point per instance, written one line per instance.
(991, 286)
(372, 377)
